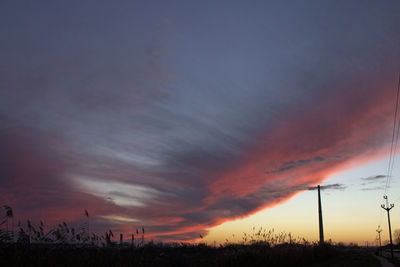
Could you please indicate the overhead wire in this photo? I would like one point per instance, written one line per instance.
(394, 155)
(395, 138)
(393, 148)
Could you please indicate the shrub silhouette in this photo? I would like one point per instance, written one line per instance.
(67, 246)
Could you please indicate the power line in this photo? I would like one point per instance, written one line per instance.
(395, 137)
(393, 148)
(380, 243)
(394, 153)
(321, 225)
(388, 208)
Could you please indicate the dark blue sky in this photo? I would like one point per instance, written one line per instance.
(179, 115)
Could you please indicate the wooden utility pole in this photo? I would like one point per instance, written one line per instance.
(387, 208)
(321, 226)
(380, 243)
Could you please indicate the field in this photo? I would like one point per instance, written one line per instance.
(68, 246)
(259, 254)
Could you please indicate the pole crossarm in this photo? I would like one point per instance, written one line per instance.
(388, 208)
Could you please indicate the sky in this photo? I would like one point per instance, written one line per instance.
(194, 118)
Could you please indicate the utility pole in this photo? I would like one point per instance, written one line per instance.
(321, 226)
(387, 208)
(380, 243)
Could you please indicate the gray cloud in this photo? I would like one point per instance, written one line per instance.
(291, 165)
(329, 187)
(186, 124)
(376, 188)
(374, 178)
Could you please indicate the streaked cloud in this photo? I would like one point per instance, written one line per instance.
(376, 188)
(329, 187)
(151, 115)
(120, 219)
(374, 178)
(121, 194)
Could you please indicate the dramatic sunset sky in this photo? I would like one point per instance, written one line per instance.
(200, 117)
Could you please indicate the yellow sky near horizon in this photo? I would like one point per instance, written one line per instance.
(350, 216)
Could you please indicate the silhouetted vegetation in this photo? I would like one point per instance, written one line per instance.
(66, 246)
(258, 254)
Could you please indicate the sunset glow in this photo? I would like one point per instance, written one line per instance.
(206, 118)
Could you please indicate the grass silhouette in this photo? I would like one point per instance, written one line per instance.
(66, 246)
